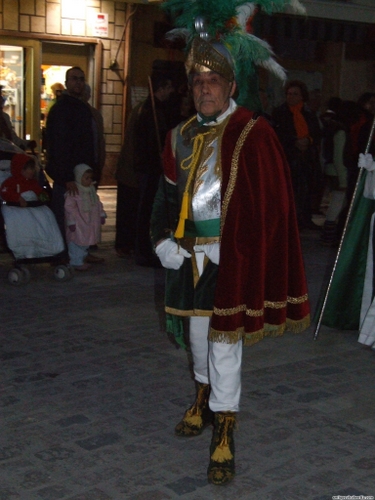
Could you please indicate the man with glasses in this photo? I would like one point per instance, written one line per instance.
(70, 141)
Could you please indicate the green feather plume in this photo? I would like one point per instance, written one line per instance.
(225, 21)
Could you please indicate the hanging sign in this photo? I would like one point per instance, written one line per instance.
(100, 24)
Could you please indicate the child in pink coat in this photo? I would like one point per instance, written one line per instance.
(84, 214)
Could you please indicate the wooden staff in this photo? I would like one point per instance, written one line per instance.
(154, 114)
(343, 235)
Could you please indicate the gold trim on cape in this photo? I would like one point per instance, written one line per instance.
(298, 300)
(259, 312)
(251, 338)
(234, 170)
(190, 312)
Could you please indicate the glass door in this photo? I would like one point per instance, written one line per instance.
(12, 82)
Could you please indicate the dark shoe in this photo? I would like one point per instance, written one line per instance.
(91, 259)
(311, 225)
(221, 469)
(83, 267)
(330, 236)
(198, 416)
(124, 253)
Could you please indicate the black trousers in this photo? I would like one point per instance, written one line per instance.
(126, 216)
(148, 185)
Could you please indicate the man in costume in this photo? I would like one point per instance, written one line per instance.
(224, 227)
(367, 315)
(349, 302)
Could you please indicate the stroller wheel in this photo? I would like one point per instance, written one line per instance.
(25, 274)
(62, 273)
(15, 277)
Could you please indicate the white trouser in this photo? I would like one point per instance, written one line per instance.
(215, 363)
(77, 253)
(336, 205)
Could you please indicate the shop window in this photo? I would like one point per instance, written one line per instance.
(12, 82)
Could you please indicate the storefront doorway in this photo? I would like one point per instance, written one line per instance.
(28, 68)
(57, 58)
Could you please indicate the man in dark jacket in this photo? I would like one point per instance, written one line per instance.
(99, 139)
(70, 140)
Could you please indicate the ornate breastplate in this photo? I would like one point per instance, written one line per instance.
(206, 198)
(198, 148)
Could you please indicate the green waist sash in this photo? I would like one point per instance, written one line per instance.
(205, 228)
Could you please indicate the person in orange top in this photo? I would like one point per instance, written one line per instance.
(299, 132)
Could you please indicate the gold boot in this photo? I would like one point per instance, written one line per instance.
(221, 468)
(198, 416)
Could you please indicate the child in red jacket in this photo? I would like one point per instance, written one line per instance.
(22, 181)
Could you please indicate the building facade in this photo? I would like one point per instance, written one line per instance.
(117, 43)
(40, 39)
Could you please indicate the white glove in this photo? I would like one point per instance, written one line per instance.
(366, 161)
(171, 255)
(212, 250)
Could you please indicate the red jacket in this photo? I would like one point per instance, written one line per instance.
(14, 186)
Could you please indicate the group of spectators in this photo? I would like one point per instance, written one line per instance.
(74, 139)
(72, 120)
(322, 148)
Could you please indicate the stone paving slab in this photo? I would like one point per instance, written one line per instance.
(91, 388)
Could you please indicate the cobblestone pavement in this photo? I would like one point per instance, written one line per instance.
(91, 389)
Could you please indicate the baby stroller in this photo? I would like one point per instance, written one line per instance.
(31, 232)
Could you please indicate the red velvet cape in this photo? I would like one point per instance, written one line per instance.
(261, 287)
